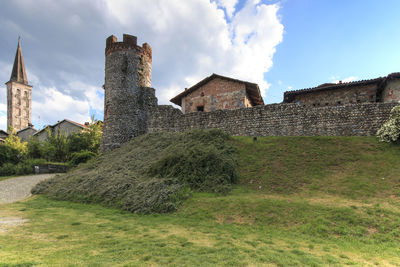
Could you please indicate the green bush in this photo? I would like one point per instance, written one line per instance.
(21, 168)
(390, 130)
(81, 157)
(8, 155)
(35, 149)
(204, 165)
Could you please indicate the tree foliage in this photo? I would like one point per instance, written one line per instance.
(57, 147)
(390, 130)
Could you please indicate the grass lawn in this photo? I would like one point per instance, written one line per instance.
(301, 201)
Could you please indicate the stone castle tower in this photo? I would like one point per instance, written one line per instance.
(128, 97)
(19, 93)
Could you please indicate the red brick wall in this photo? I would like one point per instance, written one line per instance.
(216, 94)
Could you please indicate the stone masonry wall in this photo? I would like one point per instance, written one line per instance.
(278, 120)
(340, 96)
(128, 97)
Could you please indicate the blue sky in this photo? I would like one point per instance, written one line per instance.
(281, 45)
(333, 40)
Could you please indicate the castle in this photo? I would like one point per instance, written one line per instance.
(130, 106)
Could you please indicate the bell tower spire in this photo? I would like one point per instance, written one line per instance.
(19, 93)
(18, 73)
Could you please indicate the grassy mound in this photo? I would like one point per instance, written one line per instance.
(151, 173)
(355, 167)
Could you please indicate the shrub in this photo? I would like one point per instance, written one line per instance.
(21, 168)
(88, 139)
(35, 149)
(55, 147)
(390, 130)
(81, 157)
(8, 154)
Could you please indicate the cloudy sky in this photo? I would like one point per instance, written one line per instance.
(281, 45)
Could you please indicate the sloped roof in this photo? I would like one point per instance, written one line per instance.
(252, 90)
(4, 132)
(18, 73)
(289, 95)
(53, 126)
(27, 128)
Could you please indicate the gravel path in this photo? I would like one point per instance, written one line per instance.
(19, 188)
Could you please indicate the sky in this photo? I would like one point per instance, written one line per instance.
(280, 45)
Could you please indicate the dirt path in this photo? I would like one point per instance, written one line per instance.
(19, 188)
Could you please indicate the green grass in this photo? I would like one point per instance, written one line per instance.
(300, 202)
(355, 167)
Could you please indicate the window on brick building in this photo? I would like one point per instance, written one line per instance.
(202, 94)
(339, 102)
(200, 108)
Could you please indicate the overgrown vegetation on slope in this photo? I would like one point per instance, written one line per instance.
(152, 173)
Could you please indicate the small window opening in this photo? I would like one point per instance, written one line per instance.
(339, 102)
(200, 108)
(358, 101)
(202, 94)
(326, 104)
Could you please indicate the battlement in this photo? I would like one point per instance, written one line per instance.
(129, 42)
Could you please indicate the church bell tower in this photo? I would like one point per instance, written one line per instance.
(19, 95)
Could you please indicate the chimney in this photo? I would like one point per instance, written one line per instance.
(87, 123)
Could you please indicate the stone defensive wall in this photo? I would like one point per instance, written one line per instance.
(278, 120)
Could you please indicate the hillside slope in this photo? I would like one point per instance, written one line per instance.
(151, 173)
(355, 167)
(299, 201)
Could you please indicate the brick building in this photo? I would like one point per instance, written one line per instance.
(218, 92)
(382, 89)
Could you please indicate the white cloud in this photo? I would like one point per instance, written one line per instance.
(52, 106)
(345, 80)
(228, 5)
(190, 40)
(3, 121)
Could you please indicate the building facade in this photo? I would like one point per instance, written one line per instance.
(65, 127)
(218, 92)
(379, 90)
(19, 95)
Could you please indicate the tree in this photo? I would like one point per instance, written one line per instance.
(14, 142)
(55, 146)
(88, 139)
(390, 130)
